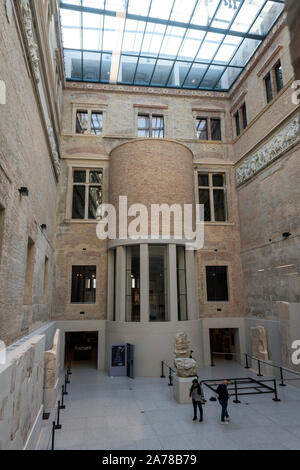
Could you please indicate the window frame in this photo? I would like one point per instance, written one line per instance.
(272, 75)
(211, 189)
(87, 184)
(223, 265)
(208, 120)
(101, 109)
(150, 115)
(240, 118)
(71, 287)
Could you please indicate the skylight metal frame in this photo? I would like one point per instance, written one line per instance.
(176, 59)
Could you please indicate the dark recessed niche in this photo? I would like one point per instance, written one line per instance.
(82, 313)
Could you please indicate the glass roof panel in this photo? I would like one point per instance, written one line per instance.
(191, 44)
(172, 42)
(161, 9)
(162, 72)
(267, 18)
(183, 10)
(179, 73)
(204, 12)
(153, 38)
(133, 37)
(197, 44)
(136, 7)
(247, 15)
(209, 47)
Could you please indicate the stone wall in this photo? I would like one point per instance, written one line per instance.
(267, 172)
(26, 160)
(120, 106)
(21, 393)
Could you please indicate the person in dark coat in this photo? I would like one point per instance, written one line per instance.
(197, 395)
(223, 394)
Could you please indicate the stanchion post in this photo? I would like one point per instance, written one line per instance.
(259, 370)
(69, 369)
(170, 377)
(247, 363)
(282, 384)
(58, 425)
(65, 388)
(53, 436)
(162, 370)
(275, 392)
(236, 393)
(212, 360)
(67, 378)
(62, 406)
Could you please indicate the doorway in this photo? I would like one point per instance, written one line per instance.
(81, 348)
(224, 343)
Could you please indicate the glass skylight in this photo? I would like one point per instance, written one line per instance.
(197, 44)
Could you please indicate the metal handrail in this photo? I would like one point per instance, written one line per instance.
(170, 373)
(56, 425)
(259, 362)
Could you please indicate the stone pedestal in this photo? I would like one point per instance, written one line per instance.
(182, 386)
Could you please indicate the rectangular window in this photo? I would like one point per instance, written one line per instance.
(279, 77)
(45, 286)
(96, 123)
(215, 129)
(29, 272)
(158, 291)
(151, 125)
(133, 300)
(212, 194)
(237, 123)
(82, 122)
(244, 116)
(89, 122)
(181, 284)
(268, 84)
(83, 289)
(208, 128)
(157, 127)
(202, 129)
(216, 283)
(143, 126)
(274, 81)
(87, 194)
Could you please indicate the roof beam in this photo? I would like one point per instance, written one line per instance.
(146, 19)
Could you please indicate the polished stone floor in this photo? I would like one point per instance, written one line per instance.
(124, 414)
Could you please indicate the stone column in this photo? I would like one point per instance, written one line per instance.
(172, 283)
(120, 277)
(144, 279)
(191, 284)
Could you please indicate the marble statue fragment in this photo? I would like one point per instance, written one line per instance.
(185, 365)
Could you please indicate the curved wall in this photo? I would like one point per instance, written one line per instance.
(152, 171)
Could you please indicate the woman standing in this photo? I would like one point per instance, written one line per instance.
(197, 395)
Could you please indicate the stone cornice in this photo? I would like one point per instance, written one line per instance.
(101, 87)
(275, 147)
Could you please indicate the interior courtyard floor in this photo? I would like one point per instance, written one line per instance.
(124, 414)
